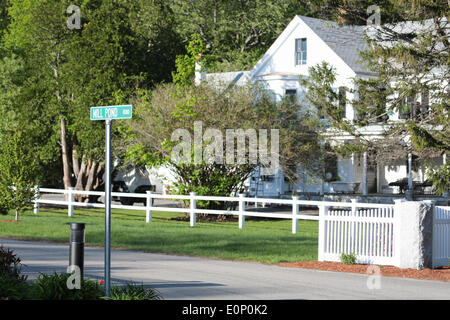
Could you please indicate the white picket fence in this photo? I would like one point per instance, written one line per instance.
(366, 230)
(441, 236)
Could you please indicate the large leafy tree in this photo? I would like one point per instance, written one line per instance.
(120, 45)
(236, 32)
(411, 63)
(168, 108)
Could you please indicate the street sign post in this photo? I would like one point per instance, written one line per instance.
(108, 114)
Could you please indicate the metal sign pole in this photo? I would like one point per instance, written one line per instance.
(108, 207)
(108, 114)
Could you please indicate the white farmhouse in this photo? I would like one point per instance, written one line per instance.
(304, 43)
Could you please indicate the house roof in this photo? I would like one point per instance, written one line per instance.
(281, 74)
(345, 41)
(225, 79)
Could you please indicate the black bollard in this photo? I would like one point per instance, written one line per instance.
(76, 256)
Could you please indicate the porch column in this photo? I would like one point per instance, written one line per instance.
(364, 186)
(410, 181)
(280, 183)
(445, 194)
(409, 194)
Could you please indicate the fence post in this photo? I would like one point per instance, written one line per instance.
(294, 214)
(36, 204)
(193, 206)
(323, 212)
(241, 211)
(397, 239)
(149, 204)
(70, 205)
(434, 243)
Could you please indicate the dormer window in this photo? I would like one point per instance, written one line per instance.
(300, 51)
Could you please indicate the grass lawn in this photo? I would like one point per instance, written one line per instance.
(266, 241)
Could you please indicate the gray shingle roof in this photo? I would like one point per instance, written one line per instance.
(346, 41)
(225, 79)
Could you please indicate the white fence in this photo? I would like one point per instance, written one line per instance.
(192, 209)
(366, 230)
(441, 236)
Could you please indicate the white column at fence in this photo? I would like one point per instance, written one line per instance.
(294, 214)
(36, 208)
(193, 206)
(323, 211)
(71, 200)
(36, 204)
(149, 204)
(241, 211)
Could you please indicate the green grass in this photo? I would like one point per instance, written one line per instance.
(266, 241)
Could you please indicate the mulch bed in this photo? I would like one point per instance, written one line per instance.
(440, 274)
(10, 221)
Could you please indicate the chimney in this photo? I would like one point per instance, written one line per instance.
(200, 71)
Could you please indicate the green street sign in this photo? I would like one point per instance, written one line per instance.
(111, 112)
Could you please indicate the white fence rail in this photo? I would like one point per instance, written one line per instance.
(441, 236)
(192, 209)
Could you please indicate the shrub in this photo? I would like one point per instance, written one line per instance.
(13, 288)
(133, 292)
(10, 264)
(3, 211)
(348, 258)
(54, 287)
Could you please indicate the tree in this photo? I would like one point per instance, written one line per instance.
(236, 33)
(169, 120)
(18, 174)
(411, 63)
(120, 45)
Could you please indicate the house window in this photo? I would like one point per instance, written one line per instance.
(408, 110)
(300, 51)
(291, 95)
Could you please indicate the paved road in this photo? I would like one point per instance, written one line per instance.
(180, 277)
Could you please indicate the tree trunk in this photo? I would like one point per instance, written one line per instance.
(65, 157)
(17, 215)
(80, 180)
(98, 177)
(75, 159)
(88, 179)
(91, 178)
